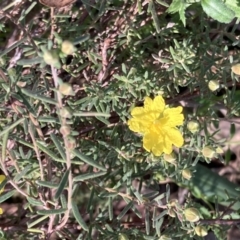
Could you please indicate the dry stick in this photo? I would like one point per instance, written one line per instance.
(68, 158)
(220, 221)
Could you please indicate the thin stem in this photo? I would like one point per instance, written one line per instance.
(67, 152)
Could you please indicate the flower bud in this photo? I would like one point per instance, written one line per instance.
(71, 143)
(186, 173)
(192, 214)
(66, 89)
(165, 237)
(51, 58)
(208, 152)
(65, 130)
(122, 236)
(171, 213)
(21, 85)
(193, 126)
(201, 231)
(219, 150)
(68, 47)
(236, 69)
(65, 112)
(172, 202)
(2, 178)
(171, 158)
(213, 85)
(2, 61)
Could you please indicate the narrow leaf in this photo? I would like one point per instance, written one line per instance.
(52, 211)
(124, 211)
(30, 225)
(38, 96)
(22, 173)
(46, 184)
(6, 196)
(9, 128)
(58, 145)
(87, 160)
(88, 176)
(62, 185)
(34, 202)
(30, 61)
(79, 217)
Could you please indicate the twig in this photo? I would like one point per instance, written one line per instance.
(220, 221)
(67, 152)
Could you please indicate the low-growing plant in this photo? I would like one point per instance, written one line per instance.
(110, 114)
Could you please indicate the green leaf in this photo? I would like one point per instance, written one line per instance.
(58, 145)
(217, 10)
(23, 173)
(30, 225)
(9, 128)
(179, 6)
(34, 202)
(79, 217)
(124, 211)
(88, 176)
(51, 211)
(87, 160)
(30, 61)
(38, 96)
(6, 196)
(175, 6)
(62, 185)
(46, 184)
(233, 5)
(208, 185)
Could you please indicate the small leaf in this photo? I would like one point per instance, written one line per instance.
(51, 211)
(34, 202)
(38, 96)
(88, 176)
(87, 160)
(124, 211)
(62, 184)
(9, 128)
(30, 61)
(79, 217)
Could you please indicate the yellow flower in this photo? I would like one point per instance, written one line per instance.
(157, 123)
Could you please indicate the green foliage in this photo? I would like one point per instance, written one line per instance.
(71, 162)
(223, 11)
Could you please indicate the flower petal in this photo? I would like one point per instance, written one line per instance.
(138, 112)
(153, 142)
(159, 104)
(149, 140)
(157, 149)
(173, 116)
(2, 178)
(1, 211)
(174, 136)
(140, 125)
(148, 103)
